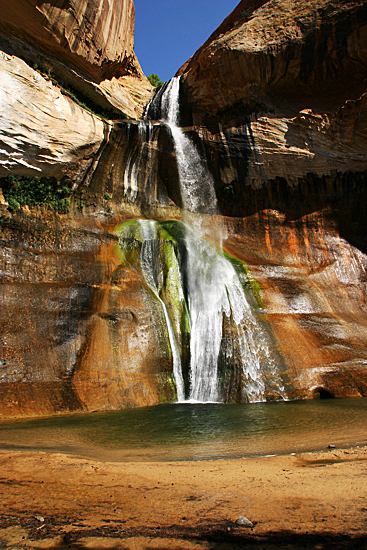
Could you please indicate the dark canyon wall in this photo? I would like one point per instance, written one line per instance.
(278, 96)
(275, 101)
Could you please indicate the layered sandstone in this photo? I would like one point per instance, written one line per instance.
(95, 37)
(87, 45)
(291, 75)
(278, 97)
(50, 54)
(275, 101)
(286, 53)
(42, 131)
(78, 332)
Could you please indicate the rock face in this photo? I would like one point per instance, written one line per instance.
(78, 332)
(86, 45)
(275, 102)
(56, 289)
(282, 53)
(278, 98)
(50, 53)
(43, 131)
(294, 72)
(92, 36)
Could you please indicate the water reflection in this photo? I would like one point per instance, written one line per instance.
(195, 431)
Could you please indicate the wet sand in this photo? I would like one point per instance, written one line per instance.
(310, 500)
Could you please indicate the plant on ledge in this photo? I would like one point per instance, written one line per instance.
(32, 191)
(155, 80)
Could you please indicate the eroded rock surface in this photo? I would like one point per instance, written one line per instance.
(78, 333)
(290, 77)
(94, 36)
(42, 131)
(277, 99)
(52, 52)
(87, 45)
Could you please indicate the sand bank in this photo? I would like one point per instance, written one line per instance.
(62, 501)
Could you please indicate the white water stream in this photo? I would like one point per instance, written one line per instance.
(197, 187)
(148, 261)
(138, 160)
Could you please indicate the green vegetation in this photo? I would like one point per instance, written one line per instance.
(155, 80)
(246, 14)
(88, 104)
(244, 274)
(228, 193)
(33, 191)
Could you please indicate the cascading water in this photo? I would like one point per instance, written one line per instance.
(148, 255)
(149, 263)
(197, 188)
(137, 160)
(213, 289)
(190, 278)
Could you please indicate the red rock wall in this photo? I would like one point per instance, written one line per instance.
(277, 95)
(94, 36)
(77, 332)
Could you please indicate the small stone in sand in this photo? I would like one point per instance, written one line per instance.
(244, 522)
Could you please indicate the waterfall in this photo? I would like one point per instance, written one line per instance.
(149, 263)
(215, 290)
(213, 287)
(189, 277)
(197, 186)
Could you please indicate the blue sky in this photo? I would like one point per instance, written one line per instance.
(168, 32)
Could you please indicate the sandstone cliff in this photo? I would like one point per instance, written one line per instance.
(275, 102)
(92, 36)
(42, 131)
(55, 271)
(278, 97)
(88, 44)
(78, 332)
(295, 73)
(55, 59)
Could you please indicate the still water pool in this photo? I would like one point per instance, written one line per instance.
(195, 431)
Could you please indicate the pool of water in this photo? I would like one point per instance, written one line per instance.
(195, 431)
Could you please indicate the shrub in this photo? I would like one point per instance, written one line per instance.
(34, 191)
(13, 204)
(155, 80)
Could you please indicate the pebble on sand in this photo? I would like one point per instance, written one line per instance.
(244, 522)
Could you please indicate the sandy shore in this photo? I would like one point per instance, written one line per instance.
(311, 500)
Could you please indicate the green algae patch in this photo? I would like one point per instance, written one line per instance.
(160, 252)
(148, 247)
(248, 282)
